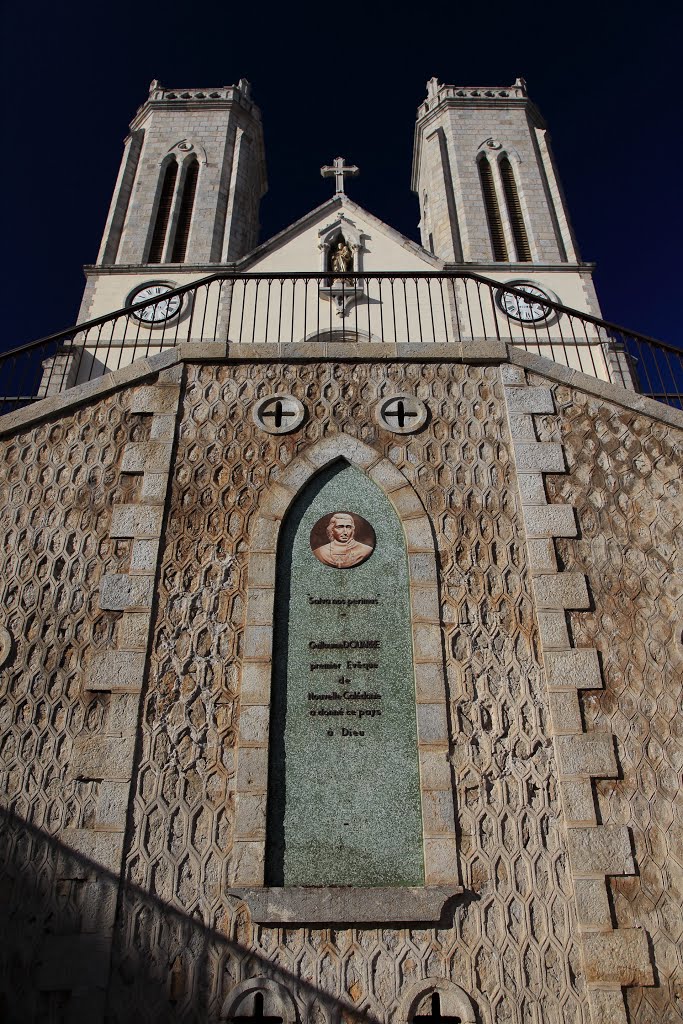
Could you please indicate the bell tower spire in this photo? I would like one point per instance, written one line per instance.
(485, 178)
(191, 179)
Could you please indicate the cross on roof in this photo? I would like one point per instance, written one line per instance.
(435, 1016)
(338, 170)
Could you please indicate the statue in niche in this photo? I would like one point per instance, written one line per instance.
(342, 549)
(341, 257)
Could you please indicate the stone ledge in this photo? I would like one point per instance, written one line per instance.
(347, 904)
(474, 352)
(560, 374)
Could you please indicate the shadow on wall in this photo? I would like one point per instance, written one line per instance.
(54, 964)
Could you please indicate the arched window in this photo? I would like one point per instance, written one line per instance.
(514, 211)
(156, 248)
(492, 211)
(185, 216)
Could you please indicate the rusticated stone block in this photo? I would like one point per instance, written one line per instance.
(532, 489)
(552, 625)
(136, 521)
(93, 850)
(561, 590)
(437, 811)
(542, 557)
(116, 670)
(163, 428)
(118, 592)
(604, 850)
(103, 757)
(252, 770)
(587, 754)
(565, 712)
(250, 816)
(432, 726)
(144, 556)
(620, 957)
(529, 400)
(133, 630)
(146, 457)
(578, 667)
(592, 904)
(539, 457)
(247, 862)
(153, 489)
(578, 803)
(112, 804)
(607, 1006)
(441, 861)
(549, 521)
(152, 399)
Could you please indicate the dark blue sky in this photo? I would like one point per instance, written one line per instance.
(345, 78)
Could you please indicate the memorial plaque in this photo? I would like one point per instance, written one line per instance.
(344, 791)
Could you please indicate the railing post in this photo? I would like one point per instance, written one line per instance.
(59, 372)
(620, 364)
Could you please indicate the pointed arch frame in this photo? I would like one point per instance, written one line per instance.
(251, 787)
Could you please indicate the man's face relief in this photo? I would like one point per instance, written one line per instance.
(343, 528)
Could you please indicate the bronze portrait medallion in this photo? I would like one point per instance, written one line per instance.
(342, 540)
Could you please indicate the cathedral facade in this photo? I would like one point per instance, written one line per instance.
(340, 665)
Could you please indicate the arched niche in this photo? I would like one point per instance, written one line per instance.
(344, 795)
(453, 1001)
(251, 787)
(260, 996)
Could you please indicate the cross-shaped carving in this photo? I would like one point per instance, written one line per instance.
(338, 170)
(278, 414)
(400, 413)
(435, 1016)
(256, 1015)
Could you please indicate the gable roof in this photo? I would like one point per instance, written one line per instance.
(332, 207)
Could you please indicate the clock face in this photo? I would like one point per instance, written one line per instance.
(525, 310)
(159, 311)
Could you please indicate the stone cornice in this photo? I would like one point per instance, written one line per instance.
(473, 352)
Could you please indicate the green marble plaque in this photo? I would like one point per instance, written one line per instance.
(344, 790)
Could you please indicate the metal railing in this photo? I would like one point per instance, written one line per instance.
(284, 309)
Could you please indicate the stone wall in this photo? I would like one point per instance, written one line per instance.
(181, 938)
(624, 479)
(89, 494)
(59, 481)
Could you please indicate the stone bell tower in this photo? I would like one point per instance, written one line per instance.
(191, 178)
(486, 181)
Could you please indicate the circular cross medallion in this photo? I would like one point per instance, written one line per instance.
(342, 540)
(402, 413)
(278, 414)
